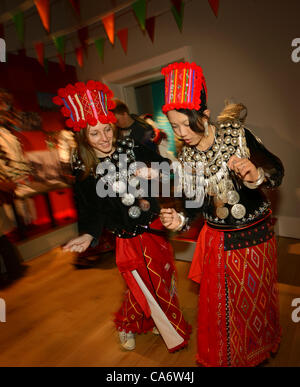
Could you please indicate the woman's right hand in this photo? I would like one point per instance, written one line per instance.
(170, 218)
(79, 244)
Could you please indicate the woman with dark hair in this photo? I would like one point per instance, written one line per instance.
(224, 168)
(143, 254)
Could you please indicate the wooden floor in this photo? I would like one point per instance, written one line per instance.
(59, 316)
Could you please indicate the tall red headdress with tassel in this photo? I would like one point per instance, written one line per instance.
(86, 104)
(185, 87)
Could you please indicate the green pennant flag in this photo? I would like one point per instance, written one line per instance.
(99, 43)
(18, 19)
(139, 8)
(178, 16)
(60, 44)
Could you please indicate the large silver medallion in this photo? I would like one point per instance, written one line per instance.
(134, 212)
(128, 199)
(238, 211)
(119, 187)
(233, 197)
(133, 181)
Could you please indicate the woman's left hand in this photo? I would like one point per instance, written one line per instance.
(244, 168)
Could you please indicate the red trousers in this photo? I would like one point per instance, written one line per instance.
(152, 257)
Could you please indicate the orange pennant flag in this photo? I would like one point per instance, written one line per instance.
(43, 7)
(109, 25)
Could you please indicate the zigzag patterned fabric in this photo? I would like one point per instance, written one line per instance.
(238, 317)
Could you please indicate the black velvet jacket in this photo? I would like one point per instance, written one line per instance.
(96, 213)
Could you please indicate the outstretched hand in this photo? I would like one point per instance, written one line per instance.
(79, 244)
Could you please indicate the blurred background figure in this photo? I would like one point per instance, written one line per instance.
(65, 146)
(160, 139)
(11, 266)
(12, 160)
(13, 168)
(133, 126)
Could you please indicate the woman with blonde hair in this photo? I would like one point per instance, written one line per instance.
(143, 254)
(225, 169)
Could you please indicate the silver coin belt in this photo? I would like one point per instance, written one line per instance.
(216, 182)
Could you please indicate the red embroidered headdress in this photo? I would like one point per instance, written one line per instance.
(185, 87)
(86, 104)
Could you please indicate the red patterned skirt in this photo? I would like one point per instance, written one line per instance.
(238, 312)
(146, 262)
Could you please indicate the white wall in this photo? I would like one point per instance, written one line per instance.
(246, 55)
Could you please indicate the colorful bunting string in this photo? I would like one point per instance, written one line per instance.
(139, 7)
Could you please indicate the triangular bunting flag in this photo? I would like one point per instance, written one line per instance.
(40, 50)
(177, 4)
(99, 43)
(76, 6)
(43, 7)
(123, 37)
(79, 56)
(109, 25)
(18, 19)
(83, 36)
(150, 27)
(62, 62)
(139, 8)
(178, 16)
(60, 44)
(214, 6)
